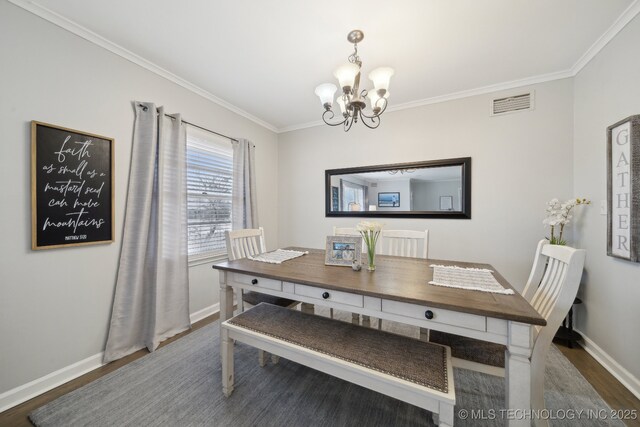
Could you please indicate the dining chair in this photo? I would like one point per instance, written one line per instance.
(405, 243)
(408, 243)
(244, 243)
(350, 232)
(551, 289)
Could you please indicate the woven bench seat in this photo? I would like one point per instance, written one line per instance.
(414, 371)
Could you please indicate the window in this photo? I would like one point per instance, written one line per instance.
(209, 184)
(353, 196)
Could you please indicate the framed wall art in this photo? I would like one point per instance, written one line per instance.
(389, 200)
(72, 192)
(623, 189)
(446, 203)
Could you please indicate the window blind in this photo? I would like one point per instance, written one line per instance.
(209, 185)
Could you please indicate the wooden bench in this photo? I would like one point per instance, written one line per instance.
(416, 372)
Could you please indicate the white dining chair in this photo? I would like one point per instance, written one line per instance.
(408, 243)
(244, 243)
(405, 243)
(551, 289)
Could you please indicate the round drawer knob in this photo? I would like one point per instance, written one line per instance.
(428, 314)
(325, 295)
(254, 281)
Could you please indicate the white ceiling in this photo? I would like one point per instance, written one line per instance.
(266, 57)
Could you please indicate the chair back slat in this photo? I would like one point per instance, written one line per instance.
(406, 243)
(349, 232)
(551, 289)
(554, 280)
(243, 243)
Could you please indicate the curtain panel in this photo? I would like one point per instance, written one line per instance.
(151, 301)
(244, 204)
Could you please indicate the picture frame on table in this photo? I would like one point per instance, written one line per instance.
(343, 250)
(623, 189)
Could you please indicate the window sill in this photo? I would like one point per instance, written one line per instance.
(206, 259)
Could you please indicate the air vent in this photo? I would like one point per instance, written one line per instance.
(512, 104)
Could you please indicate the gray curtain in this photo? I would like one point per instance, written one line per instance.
(244, 205)
(151, 301)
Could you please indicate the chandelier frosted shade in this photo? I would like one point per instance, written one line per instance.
(325, 92)
(381, 77)
(377, 101)
(352, 99)
(343, 108)
(346, 75)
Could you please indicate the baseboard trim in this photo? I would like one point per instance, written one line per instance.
(41, 385)
(27, 391)
(625, 377)
(205, 312)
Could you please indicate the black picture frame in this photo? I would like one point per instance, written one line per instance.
(623, 189)
(335, 198)
(72, 187)
(389, 199)
(465, 200)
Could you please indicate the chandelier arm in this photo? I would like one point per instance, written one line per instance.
(375, 120)
(348, 122)
(380, 112)
(331, 117)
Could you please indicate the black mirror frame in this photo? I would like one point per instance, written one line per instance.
(465, 162)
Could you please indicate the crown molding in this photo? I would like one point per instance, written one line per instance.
(631, 12)
(98, 40)
(456, 95)
(626, 17)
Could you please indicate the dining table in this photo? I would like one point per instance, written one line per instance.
(399, 291)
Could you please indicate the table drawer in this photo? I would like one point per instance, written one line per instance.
(346, 298)
(439, 315)
(258, 282)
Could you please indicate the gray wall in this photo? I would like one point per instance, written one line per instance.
(606, 91)
(519, 162)
(55, 304)
(426, 194)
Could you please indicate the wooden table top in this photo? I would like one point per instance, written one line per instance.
(396, 278)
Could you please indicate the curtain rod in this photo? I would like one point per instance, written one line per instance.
(144, 107)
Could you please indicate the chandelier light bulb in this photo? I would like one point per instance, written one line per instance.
(325, 92)
(343, 107)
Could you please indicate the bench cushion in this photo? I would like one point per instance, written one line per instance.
(412, 360)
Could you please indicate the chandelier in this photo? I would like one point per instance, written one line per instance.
(352, 100)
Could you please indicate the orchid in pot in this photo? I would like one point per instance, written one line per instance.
(559, 215)
(370, 231)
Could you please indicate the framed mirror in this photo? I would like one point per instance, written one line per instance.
(428, 189)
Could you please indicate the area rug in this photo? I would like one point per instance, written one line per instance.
(179, 385)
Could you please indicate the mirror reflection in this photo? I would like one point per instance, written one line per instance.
(436, 188)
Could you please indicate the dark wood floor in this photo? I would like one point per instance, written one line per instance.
(614, 393)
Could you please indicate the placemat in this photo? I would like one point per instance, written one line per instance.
(476, 279)
(278, 256)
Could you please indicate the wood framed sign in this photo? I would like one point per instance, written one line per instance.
(623, 189)
(72, 176)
